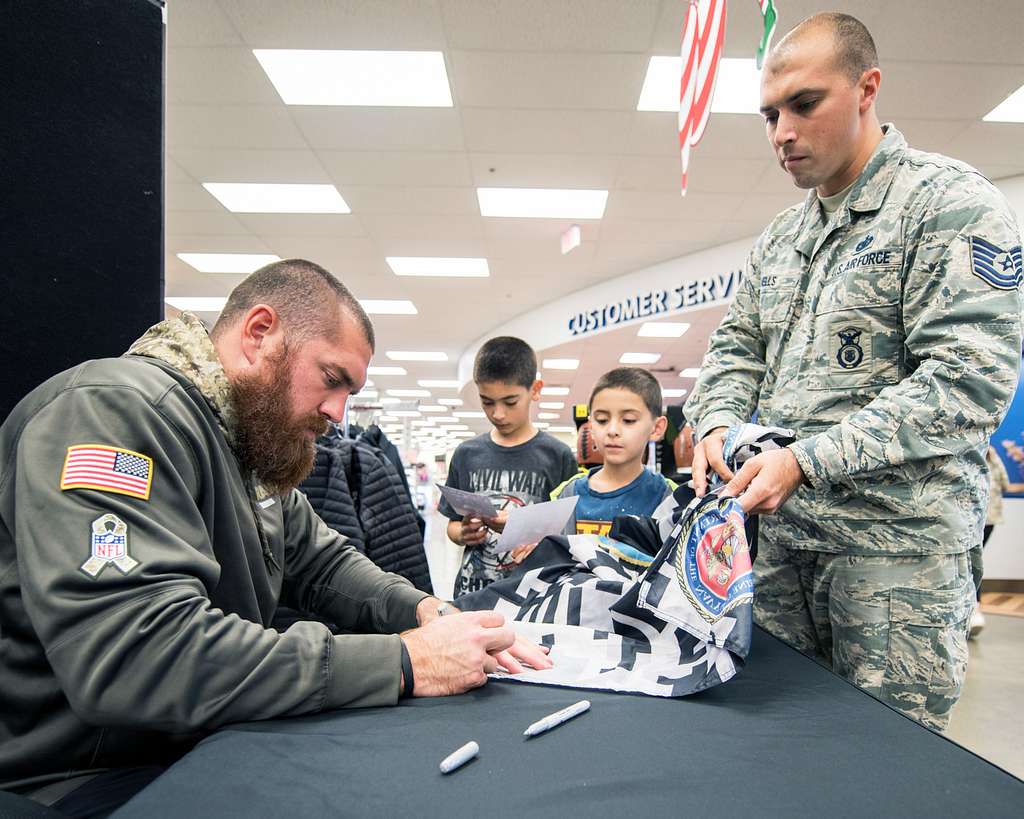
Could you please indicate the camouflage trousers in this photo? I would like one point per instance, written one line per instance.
(893, 626)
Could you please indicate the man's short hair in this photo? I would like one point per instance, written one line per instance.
(855, 48)
(507, 360)
(305, 296)
(639, 382)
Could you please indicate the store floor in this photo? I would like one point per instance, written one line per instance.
(988, 720)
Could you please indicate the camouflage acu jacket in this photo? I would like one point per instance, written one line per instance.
(888, 336)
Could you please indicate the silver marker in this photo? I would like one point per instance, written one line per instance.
(460, 757)
(557, 718)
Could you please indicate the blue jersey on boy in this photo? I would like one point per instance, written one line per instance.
(595, 510)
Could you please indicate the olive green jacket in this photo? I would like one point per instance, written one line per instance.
(135, 616)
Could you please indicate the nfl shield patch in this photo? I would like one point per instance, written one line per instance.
(999, 268)
(108, 543)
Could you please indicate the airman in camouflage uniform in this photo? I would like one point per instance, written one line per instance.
(887, 334)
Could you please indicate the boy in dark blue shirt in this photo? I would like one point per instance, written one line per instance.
(625, 416)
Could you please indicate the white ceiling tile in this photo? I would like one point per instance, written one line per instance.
(933, 134)
(668, 205)
(544, 229)
(422, 226)
(706, 174)
(349, 24)
(550, 25)
(417, 168)
(727, 136)
(989, 141)
(203, 222)
(491, 79)
(173, 172)
(212, 243)
(231, 126)
(521, 170)
(377, 129)
(198, 23)
(742, 31)
(762, 208)
(333, 252)
(189, 196)
(217, 75)
(399, 199)
(520, 131)
(302, 224)
(240, 165)
(432, 246)
(945, 91)
(996, 170)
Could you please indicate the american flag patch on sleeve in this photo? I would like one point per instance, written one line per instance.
(108, 469)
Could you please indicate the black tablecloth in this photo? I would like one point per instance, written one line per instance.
(784, 738)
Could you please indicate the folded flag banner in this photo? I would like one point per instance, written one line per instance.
(701, 48)
(642, 611)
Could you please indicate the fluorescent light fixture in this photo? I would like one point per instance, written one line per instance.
(450, 402)
(439, 383)
(386, 402)
(260, 197)
(737, 86)
(639, 358)
(423, 422)
(1009, 110)
(561, 363)
(410, 393)
(541, 424)
(552, 405)
(449, 420)
(366, 394)
(672, 392)
(387, 418)
(432, 408)
(377, 78)
(662, 329)
(469, 414)
(368, 383)
(542, 203)
(554, 391)
(457, 428)
(548, 416)
(197, 304)
(689, 372)
(561, 429)
(463, 434)
(375, 370)
(438, 266)
(415, 355)
(227, 262)
(389, 307)
(406, 413)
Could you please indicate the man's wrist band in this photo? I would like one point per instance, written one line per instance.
(445, 608)
(407, 688)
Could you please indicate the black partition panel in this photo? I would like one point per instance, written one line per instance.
(81, 170)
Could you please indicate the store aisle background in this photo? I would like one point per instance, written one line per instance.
(993, 694)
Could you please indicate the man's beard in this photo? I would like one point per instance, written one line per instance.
(268, 441)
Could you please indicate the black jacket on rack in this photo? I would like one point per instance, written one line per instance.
(357, 491)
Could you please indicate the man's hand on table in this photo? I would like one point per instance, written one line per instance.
(456, 652)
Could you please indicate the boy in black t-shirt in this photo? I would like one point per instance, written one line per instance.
(514, 464)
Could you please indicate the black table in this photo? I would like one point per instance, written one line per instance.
(785, 738)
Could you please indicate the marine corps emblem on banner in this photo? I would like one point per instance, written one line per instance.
(713, 560)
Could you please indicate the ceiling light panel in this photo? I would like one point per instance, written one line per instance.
(432, 408)
(439, 383)
(561, 429)
(1009, 110)
(662, 329)
(469, 414)
(227, 262)
(450, 402)
(259, 197)
(389, 307)
(561, 363)
(438, 266)
(197, 304)
(639, 358)
(737, 86)
(554, 391)
(542, 203)
(415, 355)
(689, 372)
(672, 392)
(376, 370)
(369, 78)
(410, 393)
(552, 405)
(548, 416)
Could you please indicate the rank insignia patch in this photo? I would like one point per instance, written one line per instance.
(999, 268)
(108, 544)
(108, 469)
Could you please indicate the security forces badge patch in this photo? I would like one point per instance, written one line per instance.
(849, 349)
(999, 268)
(109, 544)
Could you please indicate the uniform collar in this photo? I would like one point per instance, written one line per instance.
(184, 343)
(866, 195)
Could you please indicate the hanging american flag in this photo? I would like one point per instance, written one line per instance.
(702, 40)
